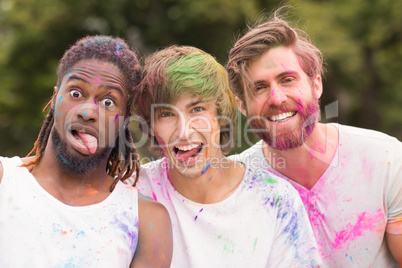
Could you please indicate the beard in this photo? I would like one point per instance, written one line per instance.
(293, 138)
(78, 165)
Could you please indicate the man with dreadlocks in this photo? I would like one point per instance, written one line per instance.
(224, 214)
(66, 205)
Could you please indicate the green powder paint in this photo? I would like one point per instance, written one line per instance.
(255, 243)
(228, 246)
(270, 180)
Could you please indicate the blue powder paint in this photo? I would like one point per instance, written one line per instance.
(350, 257)
(205, 168)
(60, 97)
(85, 113)
(82, 233)
(117, 52)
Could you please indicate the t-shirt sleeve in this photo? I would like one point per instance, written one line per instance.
(394, 191)
(294, 244)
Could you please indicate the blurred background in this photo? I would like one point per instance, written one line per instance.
(361, 41)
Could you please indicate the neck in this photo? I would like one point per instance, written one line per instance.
(220, 180)
(69, 187)
(307, 163)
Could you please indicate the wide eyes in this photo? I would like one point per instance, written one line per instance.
(108, 103)
(75, 93)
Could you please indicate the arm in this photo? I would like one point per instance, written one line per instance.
(394, 242)
(155, 244)
(1, 171)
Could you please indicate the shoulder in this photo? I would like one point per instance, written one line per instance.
(365, 135)
(152, 213)
(269, 186)
(155, 235)
(6, 162)
(153, 167)
(1, 170)
(151, 174)
(253, 151)
(148, 204)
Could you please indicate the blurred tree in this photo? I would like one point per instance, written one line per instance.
(362, 45)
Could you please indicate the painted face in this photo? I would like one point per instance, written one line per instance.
(90, 108)
(188, 132)
(284, 108)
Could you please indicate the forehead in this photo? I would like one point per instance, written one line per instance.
(96, 70)
(276, 59)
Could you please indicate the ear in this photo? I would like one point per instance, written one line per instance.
(55, 90)
(317, 86)
(241, 106)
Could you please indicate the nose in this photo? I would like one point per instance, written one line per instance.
(277, 96)
(88, 112)
(184, 128)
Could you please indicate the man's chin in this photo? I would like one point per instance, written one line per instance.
(287, 141)
(75, 162)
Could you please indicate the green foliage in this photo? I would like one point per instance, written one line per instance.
(361, 41)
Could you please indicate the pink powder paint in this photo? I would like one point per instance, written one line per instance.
(364, 223)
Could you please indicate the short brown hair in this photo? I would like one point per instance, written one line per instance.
(258, 40)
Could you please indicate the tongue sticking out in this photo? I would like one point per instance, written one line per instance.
(183, 155)
(89, 141)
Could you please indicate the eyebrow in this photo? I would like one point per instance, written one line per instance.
(284, 73)
(76, 77)
(196, 102)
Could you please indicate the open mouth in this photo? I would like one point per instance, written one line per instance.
(282, 117)
(186, 152)
(85, 142)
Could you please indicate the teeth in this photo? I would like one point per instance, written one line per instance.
(187, 147)
(280, 117)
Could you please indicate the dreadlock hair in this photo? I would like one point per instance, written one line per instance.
(116, 51)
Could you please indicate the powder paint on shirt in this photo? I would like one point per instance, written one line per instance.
(364, 223)
(196, 216)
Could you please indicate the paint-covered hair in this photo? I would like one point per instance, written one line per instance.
(176, 70)
(258, 40)
(107, 49)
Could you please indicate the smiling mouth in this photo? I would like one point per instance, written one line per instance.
(281, 117)
(187, 152)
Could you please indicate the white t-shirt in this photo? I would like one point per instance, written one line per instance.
(262, 224)
(37, 230)
(350, 204)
